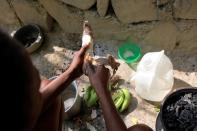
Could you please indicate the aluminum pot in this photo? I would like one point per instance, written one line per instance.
(71, 100)
(30, 36)
(171, 98)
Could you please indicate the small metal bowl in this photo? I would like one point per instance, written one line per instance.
(30, 36)
(71, 100)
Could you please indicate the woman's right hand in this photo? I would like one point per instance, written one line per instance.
(98, 75)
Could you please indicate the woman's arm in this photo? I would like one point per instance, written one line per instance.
(52, 89)
(99, 77)
(112, 118)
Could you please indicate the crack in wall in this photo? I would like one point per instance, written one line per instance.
(12, 8)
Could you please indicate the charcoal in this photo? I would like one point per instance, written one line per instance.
(177, 111)
(186, 115)
(182, 103)
(194, 100)
(182, 114)
(195, 129)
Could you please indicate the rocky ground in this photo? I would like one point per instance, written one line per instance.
(57, 52)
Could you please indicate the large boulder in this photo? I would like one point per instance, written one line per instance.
(131, 11)
(106, 28)
(81, 4)
(162, 36)
(102, 7)
(185, 9)
(7, 16)
(69, 21)
(31, 12)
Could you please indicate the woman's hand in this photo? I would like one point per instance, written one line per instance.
(77, 63)
(98, 75)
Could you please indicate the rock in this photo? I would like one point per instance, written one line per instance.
(185, 9)
(7, 16)
(106, 28)
(69, 21)
(163, 36)
(58, 49)
(102, 7)
(90, 127)
(86, 4)
(58, 72)
(93, 114)
(31, 12)
(131, 11)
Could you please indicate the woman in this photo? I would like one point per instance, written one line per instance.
(28, 104)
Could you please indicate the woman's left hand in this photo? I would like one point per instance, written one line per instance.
(77, 63)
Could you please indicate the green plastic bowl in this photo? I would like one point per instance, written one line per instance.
(129, 52)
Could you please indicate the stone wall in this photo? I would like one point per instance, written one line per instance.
(154, 24)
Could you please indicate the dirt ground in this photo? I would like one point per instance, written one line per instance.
(57, 52)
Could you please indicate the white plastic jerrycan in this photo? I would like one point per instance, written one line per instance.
(154, 76)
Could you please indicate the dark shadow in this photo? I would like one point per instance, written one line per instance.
(122, 82)
(110, 10)
(132, 107)
(180, 84)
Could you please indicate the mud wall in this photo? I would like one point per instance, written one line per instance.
(154, 24)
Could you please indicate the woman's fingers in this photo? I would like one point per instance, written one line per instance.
(88, 68)
(83, 49)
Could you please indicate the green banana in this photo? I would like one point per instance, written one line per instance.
(93, 98)
(116, 95)
(121, 98)
(86, 96)
(127, 99)
(118, 102)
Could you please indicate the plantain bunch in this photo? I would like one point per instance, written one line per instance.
(122, 99)
(90, 96)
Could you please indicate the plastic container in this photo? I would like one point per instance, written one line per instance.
(154, 76)
(130, 53)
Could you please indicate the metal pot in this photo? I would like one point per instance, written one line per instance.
(71, 94)
(171, 98)
(30, 36)
(71, 99)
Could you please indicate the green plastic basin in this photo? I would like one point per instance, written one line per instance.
(129, 52)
